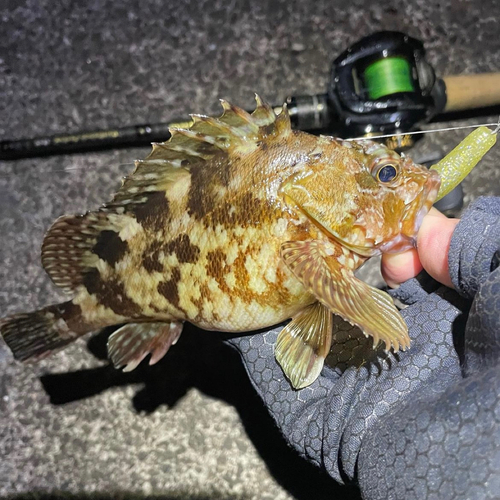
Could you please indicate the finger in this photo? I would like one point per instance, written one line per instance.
(433, 243)
(399, 267)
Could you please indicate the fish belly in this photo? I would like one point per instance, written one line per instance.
(237, 286)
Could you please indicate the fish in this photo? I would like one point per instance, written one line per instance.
(234, 224)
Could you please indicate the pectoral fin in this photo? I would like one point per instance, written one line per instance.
(303, 345)
(131, 343)
(327, 270)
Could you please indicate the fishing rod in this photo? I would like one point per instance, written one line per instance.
(381, 85)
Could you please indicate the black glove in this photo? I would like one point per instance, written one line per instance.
(417, 424)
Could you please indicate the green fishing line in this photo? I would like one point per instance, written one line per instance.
(388, 76)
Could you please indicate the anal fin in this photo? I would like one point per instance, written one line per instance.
(304, 343)
(131, 343)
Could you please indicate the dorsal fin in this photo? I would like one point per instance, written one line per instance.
(74, 244)
(235, 131)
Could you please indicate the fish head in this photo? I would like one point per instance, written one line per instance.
(365, 196)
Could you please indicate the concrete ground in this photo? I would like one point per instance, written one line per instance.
(190, 427)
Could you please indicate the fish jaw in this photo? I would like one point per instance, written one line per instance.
(407, 238)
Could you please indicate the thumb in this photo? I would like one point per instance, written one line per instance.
(433, 243)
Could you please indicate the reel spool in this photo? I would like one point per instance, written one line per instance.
(383, 85)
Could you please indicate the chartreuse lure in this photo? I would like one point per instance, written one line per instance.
(457, 164)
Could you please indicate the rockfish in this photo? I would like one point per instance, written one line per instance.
(234, 224)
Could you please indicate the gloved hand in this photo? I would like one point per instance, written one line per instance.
(424, 423)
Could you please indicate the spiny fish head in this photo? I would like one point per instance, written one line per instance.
(364, 195)
(406, 192)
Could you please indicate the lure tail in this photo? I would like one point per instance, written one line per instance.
(35, 335)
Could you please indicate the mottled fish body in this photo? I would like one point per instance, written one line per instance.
(234, 224)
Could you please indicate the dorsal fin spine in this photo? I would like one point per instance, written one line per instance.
(241, 113)
(283, 123)
(224, 129)
(183, 149)
(198, 136)
(263, 114)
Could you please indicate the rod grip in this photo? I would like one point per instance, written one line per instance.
(472, 91)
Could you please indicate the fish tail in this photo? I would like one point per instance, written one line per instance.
(33, 336)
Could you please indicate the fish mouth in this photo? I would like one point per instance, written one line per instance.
(416, 212)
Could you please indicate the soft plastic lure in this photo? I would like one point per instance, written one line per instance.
(457, 164)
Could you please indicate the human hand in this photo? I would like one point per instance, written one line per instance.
(431, 254)
(413, 424)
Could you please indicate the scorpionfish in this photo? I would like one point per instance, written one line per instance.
(234, 224)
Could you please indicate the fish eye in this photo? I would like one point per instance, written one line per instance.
(386, 173)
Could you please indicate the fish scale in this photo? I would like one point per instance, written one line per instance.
(235, 224)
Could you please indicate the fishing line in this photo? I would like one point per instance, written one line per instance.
(447, 129)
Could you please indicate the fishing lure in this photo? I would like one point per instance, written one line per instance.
(457, 164)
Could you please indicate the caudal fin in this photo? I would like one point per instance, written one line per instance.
(35, 335)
